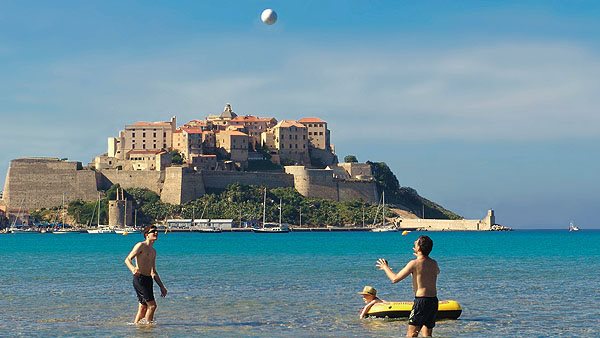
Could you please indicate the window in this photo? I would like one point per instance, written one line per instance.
(143, 134)
(154, 134)
(320, 133)
(132, 134)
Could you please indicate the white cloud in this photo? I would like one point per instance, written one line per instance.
(525, 91)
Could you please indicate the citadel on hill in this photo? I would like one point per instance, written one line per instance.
(182, 163)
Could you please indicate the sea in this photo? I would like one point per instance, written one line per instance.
(530, 283)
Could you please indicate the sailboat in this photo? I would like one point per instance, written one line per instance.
(573, 227)
(101, 229)
(383, 228)
(206, 229)
(62, 230)
(129, 230)
(14, 229)
(271, 228)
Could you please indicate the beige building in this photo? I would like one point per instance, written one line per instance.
(289, 141)
(254, 127)
(318, 134)
(156, 159)
(188, 142)
(142, 136)
(233, 144)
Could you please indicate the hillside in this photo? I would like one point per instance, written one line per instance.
(406, 199)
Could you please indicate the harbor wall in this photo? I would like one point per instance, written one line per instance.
(450, 225)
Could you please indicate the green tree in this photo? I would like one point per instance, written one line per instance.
(350, 159)
(176, 157)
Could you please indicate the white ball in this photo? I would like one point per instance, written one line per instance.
(268, 16)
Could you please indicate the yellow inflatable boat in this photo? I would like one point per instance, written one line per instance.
(447, 309)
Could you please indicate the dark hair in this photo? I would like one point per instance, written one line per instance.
(147, 229)
(425, 244)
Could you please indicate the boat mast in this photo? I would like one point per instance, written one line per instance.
(279, 211)
(264, 206)
(62, 214)
(98, 225)
(383, 201)
(125, 213)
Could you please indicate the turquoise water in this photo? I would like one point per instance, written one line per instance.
(520, 283)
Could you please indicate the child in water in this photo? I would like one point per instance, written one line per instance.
(369, 295)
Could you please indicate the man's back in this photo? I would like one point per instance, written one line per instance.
(424, 272)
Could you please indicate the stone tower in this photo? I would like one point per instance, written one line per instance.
(120, 211)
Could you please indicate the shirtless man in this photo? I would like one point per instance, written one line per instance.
(424, 272)
(144, 271)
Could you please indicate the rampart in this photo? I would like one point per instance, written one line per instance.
(357, 190)
(41, 182)
(450, 225)
(149, 179)
(321, 183)
(33, 183)
(182, 185)
(221, 179)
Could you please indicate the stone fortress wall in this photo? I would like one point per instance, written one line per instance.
(149, 179)
(325, 183)
(34, 183)
(41, 182)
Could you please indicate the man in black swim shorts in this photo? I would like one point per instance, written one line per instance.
(144, 272)
(143, 286)
(424, 312)
(424, 271)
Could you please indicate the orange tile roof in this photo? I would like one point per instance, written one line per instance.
(290, 123)
(311, 120)
(233, 133)
(192, 130)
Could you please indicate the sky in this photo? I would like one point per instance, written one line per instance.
(475, 104)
